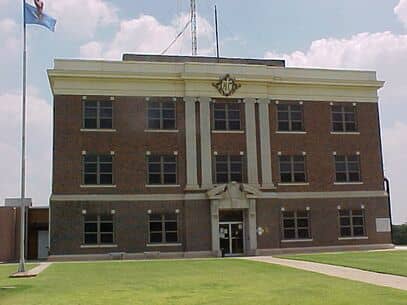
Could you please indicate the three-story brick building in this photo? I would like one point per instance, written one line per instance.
(195, 156)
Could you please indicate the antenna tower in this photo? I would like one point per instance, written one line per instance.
(193, 28)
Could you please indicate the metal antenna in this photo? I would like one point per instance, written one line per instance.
(193, 28)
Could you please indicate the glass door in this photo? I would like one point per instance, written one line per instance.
(231, 238)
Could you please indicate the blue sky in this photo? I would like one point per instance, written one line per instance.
(312, 33)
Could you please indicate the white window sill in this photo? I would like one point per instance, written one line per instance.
(162, 185)
(348, 183)
(162, 130)
(165, 245)
(293, 183)
(346, 132)
(228, 131)
(99, 246)
(291, 132)
(353, 238)
(97, 130)
(98, 185)
(297, 240)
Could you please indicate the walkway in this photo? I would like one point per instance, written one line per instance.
(380, 279)
(32, 272)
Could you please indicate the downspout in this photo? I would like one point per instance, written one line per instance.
(387, 184)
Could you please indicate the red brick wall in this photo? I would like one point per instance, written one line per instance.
(9, 233)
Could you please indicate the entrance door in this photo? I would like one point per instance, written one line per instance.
(231, 238)
(42, 244)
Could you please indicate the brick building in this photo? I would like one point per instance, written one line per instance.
(196, 156)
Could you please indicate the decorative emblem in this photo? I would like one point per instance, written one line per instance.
(40, 7)
(226, 85)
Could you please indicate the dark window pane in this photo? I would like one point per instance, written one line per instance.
(154, 178)
(106, 123)
(170, 216)
(171, 237)
(154, 124)
(354, 177)
(296, 116)
(106, 179)
(156, 237)
(170, 179)
(106, 167)
(296, 126)
(357, 212)
(90, 123)
(106, 238)
(169, 124)
(337, 127)
(283, 116)
(234, 125)
(288, 214)
(90, 167)
(221, 167)
(358, 231)
(303, 233)
(340, 177)
(344, 212)
(219, 114)
(155, 217)
(358, 221)
(106, 227)
(302, 222)
(285, 177)
(345, 232)
(220, 125)
(283, 126)
(337, 117)
(155, 226)
(155, 159)
(168, 114)
(91, 227)
(345, 221)
(91, 238)
(154, 168)
(236, 177)
(289, 233)
(170, 167)
(288, 223)
(171, 226)
(221, 178)
(90, 179)
(350, 126)
(234, 115)
(299, 177)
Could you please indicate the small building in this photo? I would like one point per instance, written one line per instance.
(198, 156)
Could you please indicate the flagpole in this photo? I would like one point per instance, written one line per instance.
(21, 266)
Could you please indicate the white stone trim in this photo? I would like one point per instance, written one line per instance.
(99, 246)
(353, 238)
(297, 240)
(164, 245)
(205, 132)
(229, 131)
(293, 183)
(349, 183)
(98, 130)
(265, 146)
(162, 185)
(203, 196)
(162, 130)
(346, 132)
(291, 132)
(251, 142)
(190, 137)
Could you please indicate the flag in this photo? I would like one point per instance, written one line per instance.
(35, 15)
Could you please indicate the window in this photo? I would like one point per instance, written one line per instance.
(98, 229)
(347, 168)
(343, 118)
(162, 169)
(290, 117)
(351, 223)
(163, 228)
(161, 115)
(97, 169)
(228, 168)
(295, 225)
(292, 169)
(97, 115)
(226, 116)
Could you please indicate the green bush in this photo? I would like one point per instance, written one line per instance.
(400, 234)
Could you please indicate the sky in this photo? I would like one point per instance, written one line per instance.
(345, 34)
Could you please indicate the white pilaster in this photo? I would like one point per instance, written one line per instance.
(251, 145)
(190, 136)
(215, 227)
(252, 227)
(264, 124)
(206, 152)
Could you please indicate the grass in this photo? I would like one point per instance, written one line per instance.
(227, 281)
(390, 262)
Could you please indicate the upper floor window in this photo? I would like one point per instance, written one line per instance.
(161, 115)
(162, 169)
(344, 118)
(347, 168)
(227, 116)
(97, 169)
(98, 229)
(292, 169)
(295, 225)
(97, 114)
(228, 168)
(290, 117)
(163, 228)
(351, 223)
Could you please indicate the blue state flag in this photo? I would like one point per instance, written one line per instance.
(34, 15)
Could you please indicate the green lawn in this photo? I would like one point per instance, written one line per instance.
(391, 262)
(226, 281)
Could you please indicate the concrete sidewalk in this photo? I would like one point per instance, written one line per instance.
(380, 279)
(32, 272)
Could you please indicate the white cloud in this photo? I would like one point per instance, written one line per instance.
(9, 37)
(3, 2)
(401, 11)
(146, 34)
(395, 145)
(386, 53)
(39, 146)
(80, 18)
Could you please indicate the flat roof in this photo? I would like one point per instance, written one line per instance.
(203, 59)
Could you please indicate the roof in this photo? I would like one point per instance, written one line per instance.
(203, 59)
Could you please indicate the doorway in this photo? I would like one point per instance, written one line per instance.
(42, 244)
(231, 238)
